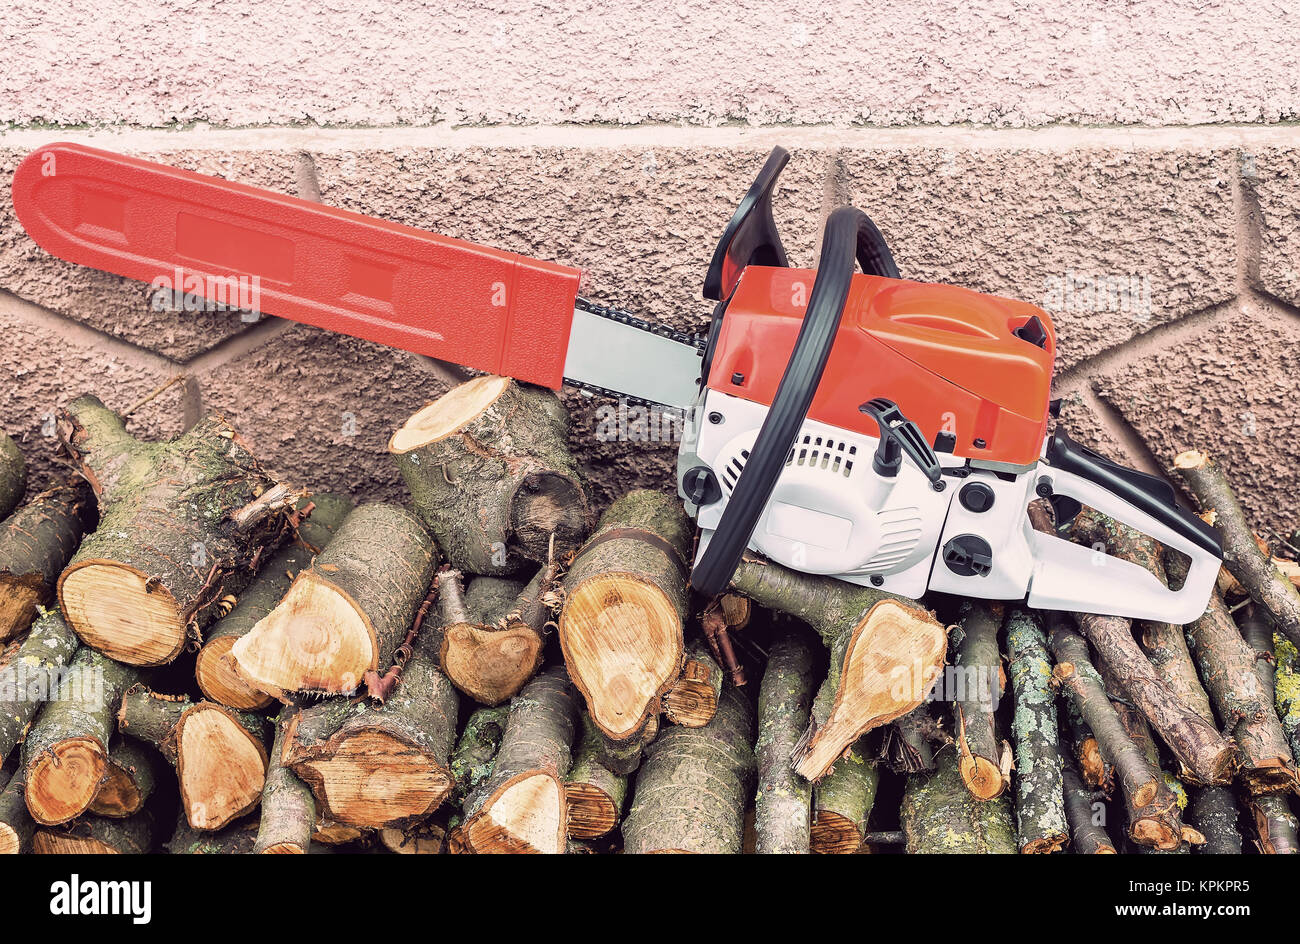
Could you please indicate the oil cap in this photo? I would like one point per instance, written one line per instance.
(976, 497)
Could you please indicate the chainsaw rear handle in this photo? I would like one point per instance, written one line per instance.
(849, 233)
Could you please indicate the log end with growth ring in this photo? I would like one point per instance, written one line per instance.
(63, 780)
(220, 764)
(453, 411)
(622, 640)
(118, 795)
(218, 677)
(490, 664)
(317, 639)
(592, 811)
(526, 814)
(119, 611)
(833, 833)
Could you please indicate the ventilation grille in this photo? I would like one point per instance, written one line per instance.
(835, 456)
(900, 529)
(731, 472)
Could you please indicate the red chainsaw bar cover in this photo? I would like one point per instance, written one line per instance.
(948, 356)
(385, 282)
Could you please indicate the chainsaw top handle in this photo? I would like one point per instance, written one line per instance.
(849, 233)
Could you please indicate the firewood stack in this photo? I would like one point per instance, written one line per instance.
(199, 658)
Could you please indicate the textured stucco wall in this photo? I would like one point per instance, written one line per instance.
(618, 137)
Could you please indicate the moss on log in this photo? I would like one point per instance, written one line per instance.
(382, 766)
(236, 839)
(490, 473)
(940, 815)
(1040, 795)
(348, 612)
(36, 543)
(978, 666)
(182, 524)
(842, 801)
(214, 668)
(624, 609)
(471, 762)
(30, 672)
(65, 754)
(219, 753)
(594, 793)
(783, 802)
(1278, 665)
(695, 784)
(885, 654)
(288, 815)
(522, 808)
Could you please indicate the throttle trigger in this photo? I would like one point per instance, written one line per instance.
(900, 435)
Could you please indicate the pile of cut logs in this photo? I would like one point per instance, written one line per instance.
(198, 657)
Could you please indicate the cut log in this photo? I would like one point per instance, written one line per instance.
(1278, 666)
(909, 742)
(182, 524)
(594, 793)
(521, 808)
(219, 753)
(1212, 811)
(885, 654)
(1094, 768)
(493, 639)
(978, 667)
(36, 543)
(236, 839)
(694, 785)
(1086, 817)
(625, 603)
(13, 475)
(842, 801)
(940, 815)
(16, 824)
(427, 838)
(471, 762)
(1275, 826)
(1242, 556)
(30, 671)
(783, 804)
(65, 754)
(98, 835)
(490, 473)
(214, 669)
(380, 766)
(1152, 810)
(693, 698)
(130, 778)
(1041, 825)
(624, 757)
(288, 810)
(336, 834)
(346, 614)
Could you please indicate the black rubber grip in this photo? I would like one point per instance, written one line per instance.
(849, 233)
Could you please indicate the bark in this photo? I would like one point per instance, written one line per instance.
(1279, 671)
(1206, 754)
(130, 779)
(783, 817)
(1213, 813)
(940, 815)
(693, 698)
(1040, 795)
(288, 810)
(471, 762)
(65, 754)
(36, 543)
(214, 669)
(491, 650)
(842, 801)
(1152, 810)
(98, 835)
(1275, 826)
(1164, 644)
(30, 672)
(978, 666)
(624, 757)
(1095, 769)
(380, 766)
(521, 807)
(885, 654)
(594, 793)
(182, 524)
(1242, 556)
(16, 824)
(1087, 835)
(426, 838)
(347, 614)
(1242, 695)
(236, 839)
(694, 785)
(909, 742)
(219, 753)
(13, 475)
(625, 604)
(490, 474)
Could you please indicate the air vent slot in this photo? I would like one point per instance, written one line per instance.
(731, 471)
(822, 452)
(900, 530)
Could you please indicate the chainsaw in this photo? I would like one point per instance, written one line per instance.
(884, 432)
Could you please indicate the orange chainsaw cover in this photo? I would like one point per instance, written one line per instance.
(947, 356)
